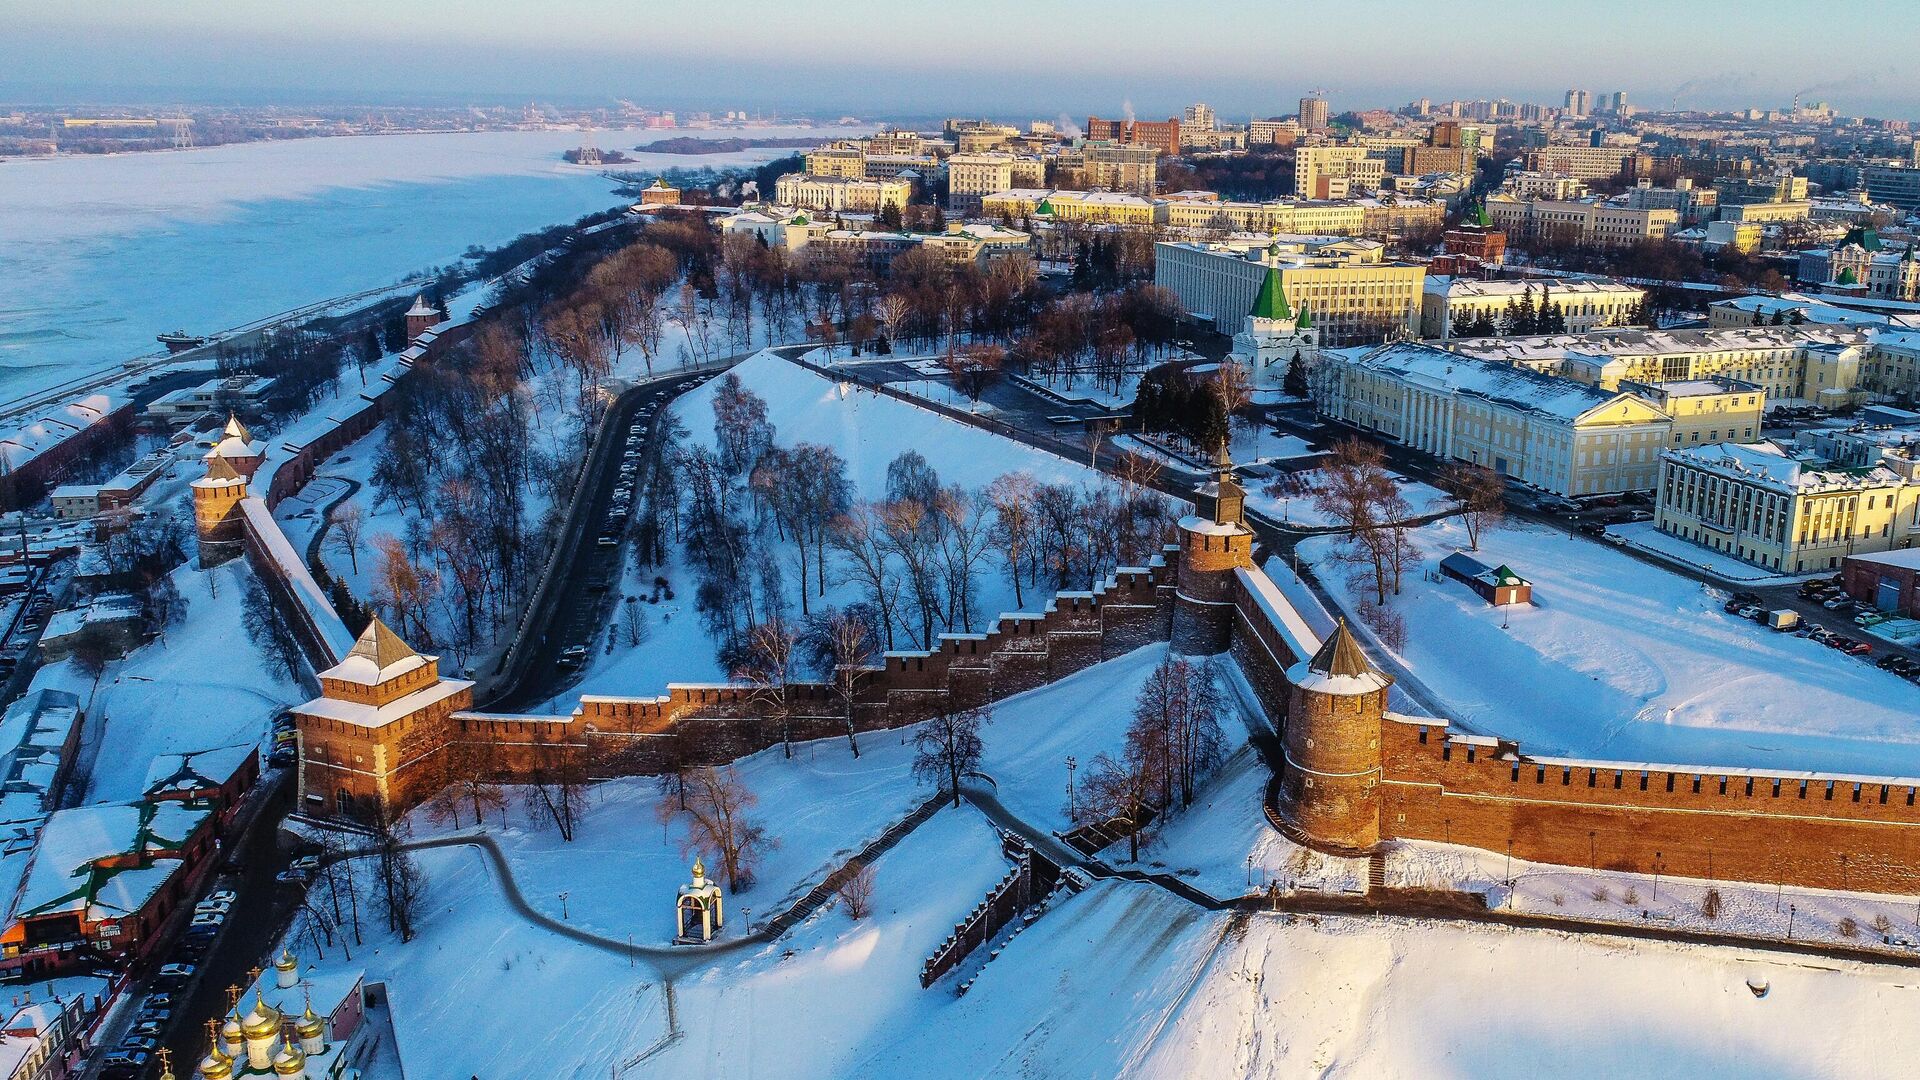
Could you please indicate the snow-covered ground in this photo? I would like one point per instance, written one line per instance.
(103, 252)
(868, 430)
(1294, 505)
(822, 806)
(203, 685)
(1648, 537)
(1623, 660)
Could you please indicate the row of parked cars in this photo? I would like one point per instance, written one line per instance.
(620, 508)
(134, 1055)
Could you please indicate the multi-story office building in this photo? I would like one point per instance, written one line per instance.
(1590, 162)
(1314, 113)
(1350, 293)
(1554, 434)
(1162, 135)
(841, 193)
(1693, 203)
(1334, 172)
(1117, 167)
(1759, 503)
(1273, 132)
(1197, 120)
(837, 159)
(1448, 303)
(1585, 222)
(971, 177)
(1533, 185)
(1709, 410)
(1773, 188)
(1579, 103)
(1895, 186)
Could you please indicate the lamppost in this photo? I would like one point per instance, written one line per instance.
(1072, 764)
(563, 907)
(1790, 912)
(1656, 877)
(1593, 852)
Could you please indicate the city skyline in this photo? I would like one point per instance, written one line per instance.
(1376, 53)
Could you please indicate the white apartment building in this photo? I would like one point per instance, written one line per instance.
(1351, 295)
(841, 193)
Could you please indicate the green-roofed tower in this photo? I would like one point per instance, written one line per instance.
(1271, 303)
(1306, 319)
(1847, 277)
(1045, 207)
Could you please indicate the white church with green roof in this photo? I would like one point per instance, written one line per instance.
(1274, 333)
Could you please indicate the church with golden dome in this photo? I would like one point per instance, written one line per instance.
(282, 1034)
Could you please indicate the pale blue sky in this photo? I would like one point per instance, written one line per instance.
(997, 56)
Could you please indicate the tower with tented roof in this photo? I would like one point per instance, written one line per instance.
(421, 317)
(1331, 767)
(1214, 543)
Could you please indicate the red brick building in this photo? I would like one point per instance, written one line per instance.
(1888, 580)
(1162, 135)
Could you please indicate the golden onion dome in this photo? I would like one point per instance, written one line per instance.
(263, 1022)
(310, 1026)
(291, 1060)
(230, 1030)
(287, 961)
(216, 1066)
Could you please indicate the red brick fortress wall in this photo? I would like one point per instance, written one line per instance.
(1810, 829)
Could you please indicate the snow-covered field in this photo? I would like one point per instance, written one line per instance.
(868, 430)
(103, 252)
(1622, 660)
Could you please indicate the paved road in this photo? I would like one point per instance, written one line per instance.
(576, 608)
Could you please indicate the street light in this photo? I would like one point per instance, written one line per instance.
(563, 907)
(1072, 764)
(1656, 877)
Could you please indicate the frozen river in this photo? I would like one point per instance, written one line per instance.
(98, 254)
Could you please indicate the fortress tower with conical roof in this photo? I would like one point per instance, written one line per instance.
(217, 524)
(1331, 772)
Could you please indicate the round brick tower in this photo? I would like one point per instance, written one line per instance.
(1330, 779)
(1213, 542)
(216, 512)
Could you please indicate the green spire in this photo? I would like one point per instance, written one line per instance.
(1045, 207)
(1847, 277)
(1306, 319)
(1478, 215)
(1272, 301)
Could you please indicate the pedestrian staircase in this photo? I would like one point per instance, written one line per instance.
(1376, 871)
(823, 892)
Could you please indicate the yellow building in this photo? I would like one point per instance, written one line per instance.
(1811, 363)
(1551, 433)
(1090, 207)
(1589, 162)
(837, 159)
(972, 177)
(1352, 295)
(1318, 218)
(1585, 222)
(1706, 411)
(841, 193)
(1758, 503)
(1335, 172)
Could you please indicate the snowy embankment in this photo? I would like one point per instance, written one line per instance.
(868, 431)
(1625, 661)
(819, 808)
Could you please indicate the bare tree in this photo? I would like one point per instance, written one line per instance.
(965, 535)
(856, 893)
(1120, 791)
(974, 368)
(716, 805)
(1481, 493)
(1012, 497)
(400, 882)
(349, 525)
(861, 539)
(843, 645)
(633, 625)
(948, 745)
(768, 668)
(556, 782)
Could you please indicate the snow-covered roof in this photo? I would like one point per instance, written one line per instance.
(65, 875)
(1637, 342)
(1502, 384)
(378, 655)
(1768, 464)
(1908, 558)
(1464, 288)
(374, 716)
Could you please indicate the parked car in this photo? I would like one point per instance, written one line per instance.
(1748, 611)
(1856, 647)
(124, 1066)
(147, 1028)
(211, 919)
(173, 975)
(157, 1005)
(1836, 603)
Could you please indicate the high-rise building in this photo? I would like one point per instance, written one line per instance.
(1199, 117)
(1162, 135)
(1618, 103)
(1579, 102)
(1313, 113)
